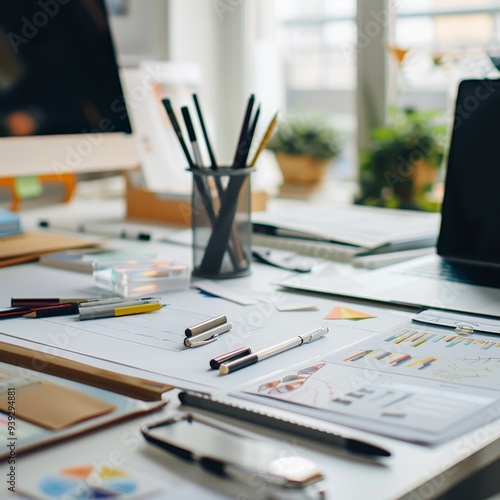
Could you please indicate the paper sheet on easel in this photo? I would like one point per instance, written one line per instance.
(162, 161)
(347, 313)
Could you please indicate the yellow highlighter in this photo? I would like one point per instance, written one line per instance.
(91, 313)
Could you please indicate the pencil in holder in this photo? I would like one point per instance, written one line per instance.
(221, 222)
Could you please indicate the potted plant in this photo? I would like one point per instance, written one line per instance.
(401, 167)
(304, 146)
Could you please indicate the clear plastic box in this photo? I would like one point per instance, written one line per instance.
(142, 278)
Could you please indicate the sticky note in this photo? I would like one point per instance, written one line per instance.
(28, 186)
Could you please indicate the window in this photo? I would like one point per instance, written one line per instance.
(446, 41)
(442, 41)
(319, 67)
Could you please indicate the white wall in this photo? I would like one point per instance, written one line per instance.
(200, 33)
(142, 33)
(236, 56)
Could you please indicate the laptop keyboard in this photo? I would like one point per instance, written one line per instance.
(458, 273)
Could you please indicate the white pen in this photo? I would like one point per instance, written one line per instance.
(251, 359)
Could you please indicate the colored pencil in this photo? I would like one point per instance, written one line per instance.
(42, 301)
(265, 140)
(54, 310)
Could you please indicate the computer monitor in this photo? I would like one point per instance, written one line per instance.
(62, 107)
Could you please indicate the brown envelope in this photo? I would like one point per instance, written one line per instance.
(54, 406)
(29, 246)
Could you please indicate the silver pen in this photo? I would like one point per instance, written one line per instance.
(96, 302)
(207, 336)
(114, 300)
(205, 325)
(251, 359)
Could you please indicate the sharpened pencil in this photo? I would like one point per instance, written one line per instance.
(265, 140)
(54, 310)
(42, 301)
(16, 312)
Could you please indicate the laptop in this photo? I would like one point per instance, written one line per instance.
(464, 274)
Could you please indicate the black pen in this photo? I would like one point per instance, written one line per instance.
(178, 132)
(229, 356)
(296, 429)
(202, 188)
(192, 136)
(213, 162)
(243, 133)
(249, 138)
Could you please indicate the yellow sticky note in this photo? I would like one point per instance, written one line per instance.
(28, 186)
(347, 313)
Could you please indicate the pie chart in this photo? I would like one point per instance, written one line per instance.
(88, 482)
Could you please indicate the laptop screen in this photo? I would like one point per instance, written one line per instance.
(470, 228)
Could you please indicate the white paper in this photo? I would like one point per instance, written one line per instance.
(153, 342)
(224, 292)
(416, 383)
(365, 227)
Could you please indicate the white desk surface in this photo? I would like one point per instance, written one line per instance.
(413, 472)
